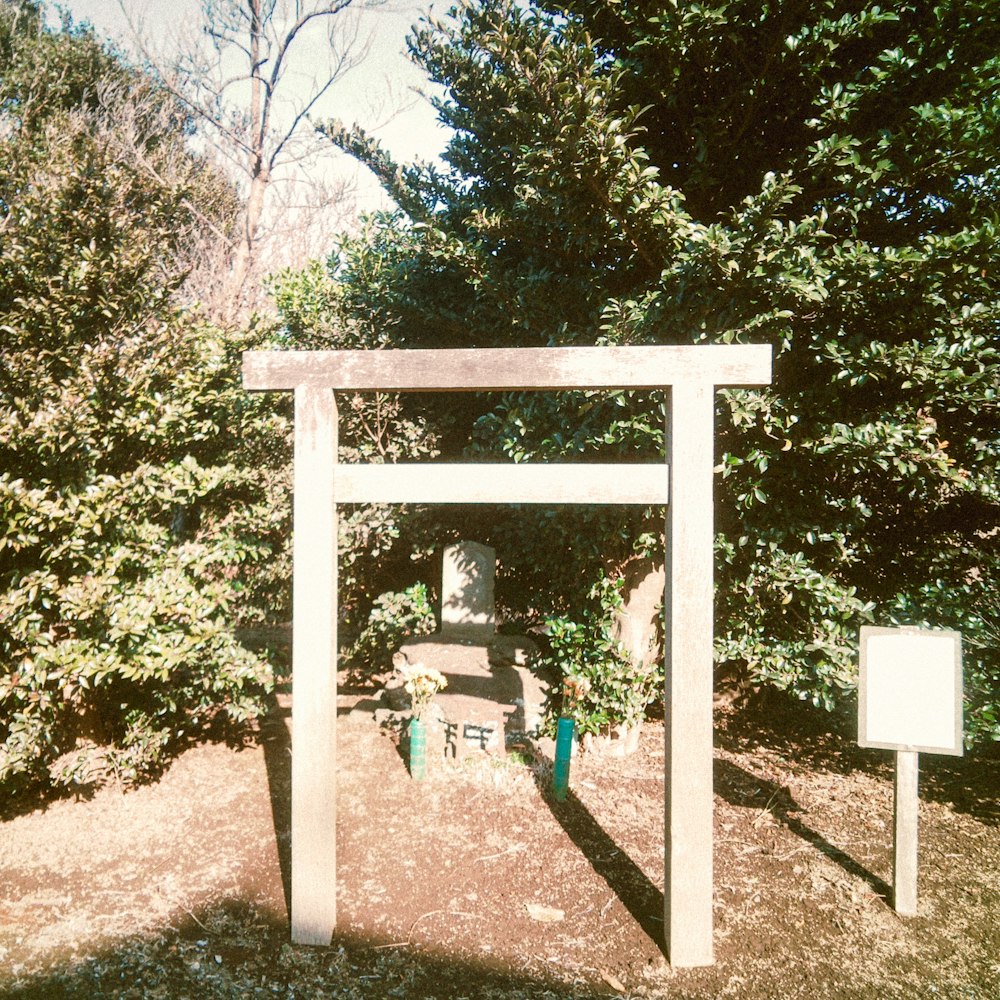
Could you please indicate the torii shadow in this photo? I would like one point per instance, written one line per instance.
(642, 899)
(742, 788)
(637, 893)
(276, 740)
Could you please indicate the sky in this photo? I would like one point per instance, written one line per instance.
(386, 93)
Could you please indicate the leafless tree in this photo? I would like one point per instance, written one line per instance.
(250, 75)
(141, 129)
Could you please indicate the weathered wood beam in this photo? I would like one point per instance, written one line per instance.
(314, 670)
(598, 368)
(502, 483)
(687, 887)
(905, 832)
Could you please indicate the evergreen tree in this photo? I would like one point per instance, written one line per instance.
(820, 175)
(126, 524)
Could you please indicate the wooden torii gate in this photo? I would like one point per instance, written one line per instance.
(684, 483)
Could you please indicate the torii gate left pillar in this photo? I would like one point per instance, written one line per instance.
(314, 688)
(690, 375)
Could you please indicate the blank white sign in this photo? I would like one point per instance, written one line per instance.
(910, 690)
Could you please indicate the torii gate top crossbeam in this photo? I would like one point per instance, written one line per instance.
(596, 368)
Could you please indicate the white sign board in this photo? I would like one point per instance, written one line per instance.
(910, 690)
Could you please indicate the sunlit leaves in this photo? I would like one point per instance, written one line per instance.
(143, 507)
(816, 176)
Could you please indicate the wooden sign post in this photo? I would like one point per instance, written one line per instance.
(690, 375)
(909, 701)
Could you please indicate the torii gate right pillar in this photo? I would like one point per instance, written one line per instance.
(688, 597)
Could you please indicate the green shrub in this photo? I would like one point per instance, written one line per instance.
(142, 512)
(615, 178)
(613, 689)
(394, 618)
(122, 580)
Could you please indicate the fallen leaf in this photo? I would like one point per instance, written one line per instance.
(544, 914)
(612, 982)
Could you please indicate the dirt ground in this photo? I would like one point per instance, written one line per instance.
(476, 883)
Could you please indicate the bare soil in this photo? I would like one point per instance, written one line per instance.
(178, 889)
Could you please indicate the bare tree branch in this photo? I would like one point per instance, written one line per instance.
(235, 79)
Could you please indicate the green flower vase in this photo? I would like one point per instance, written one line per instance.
(418, 749)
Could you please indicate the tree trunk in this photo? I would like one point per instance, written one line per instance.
(235, 295)
(243, 258)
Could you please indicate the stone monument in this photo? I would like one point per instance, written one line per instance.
(467, 577)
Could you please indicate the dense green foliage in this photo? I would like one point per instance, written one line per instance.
(139, 485)
(821, 176)
(606, 686)
(394, 618)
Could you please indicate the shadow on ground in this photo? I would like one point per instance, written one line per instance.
(827, 742)
(276, 741)
(230, 951)
(741, 788)
(642, 899)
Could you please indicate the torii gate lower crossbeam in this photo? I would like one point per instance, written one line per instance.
(691, 374)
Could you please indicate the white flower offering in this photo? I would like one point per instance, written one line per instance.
(421, 683)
